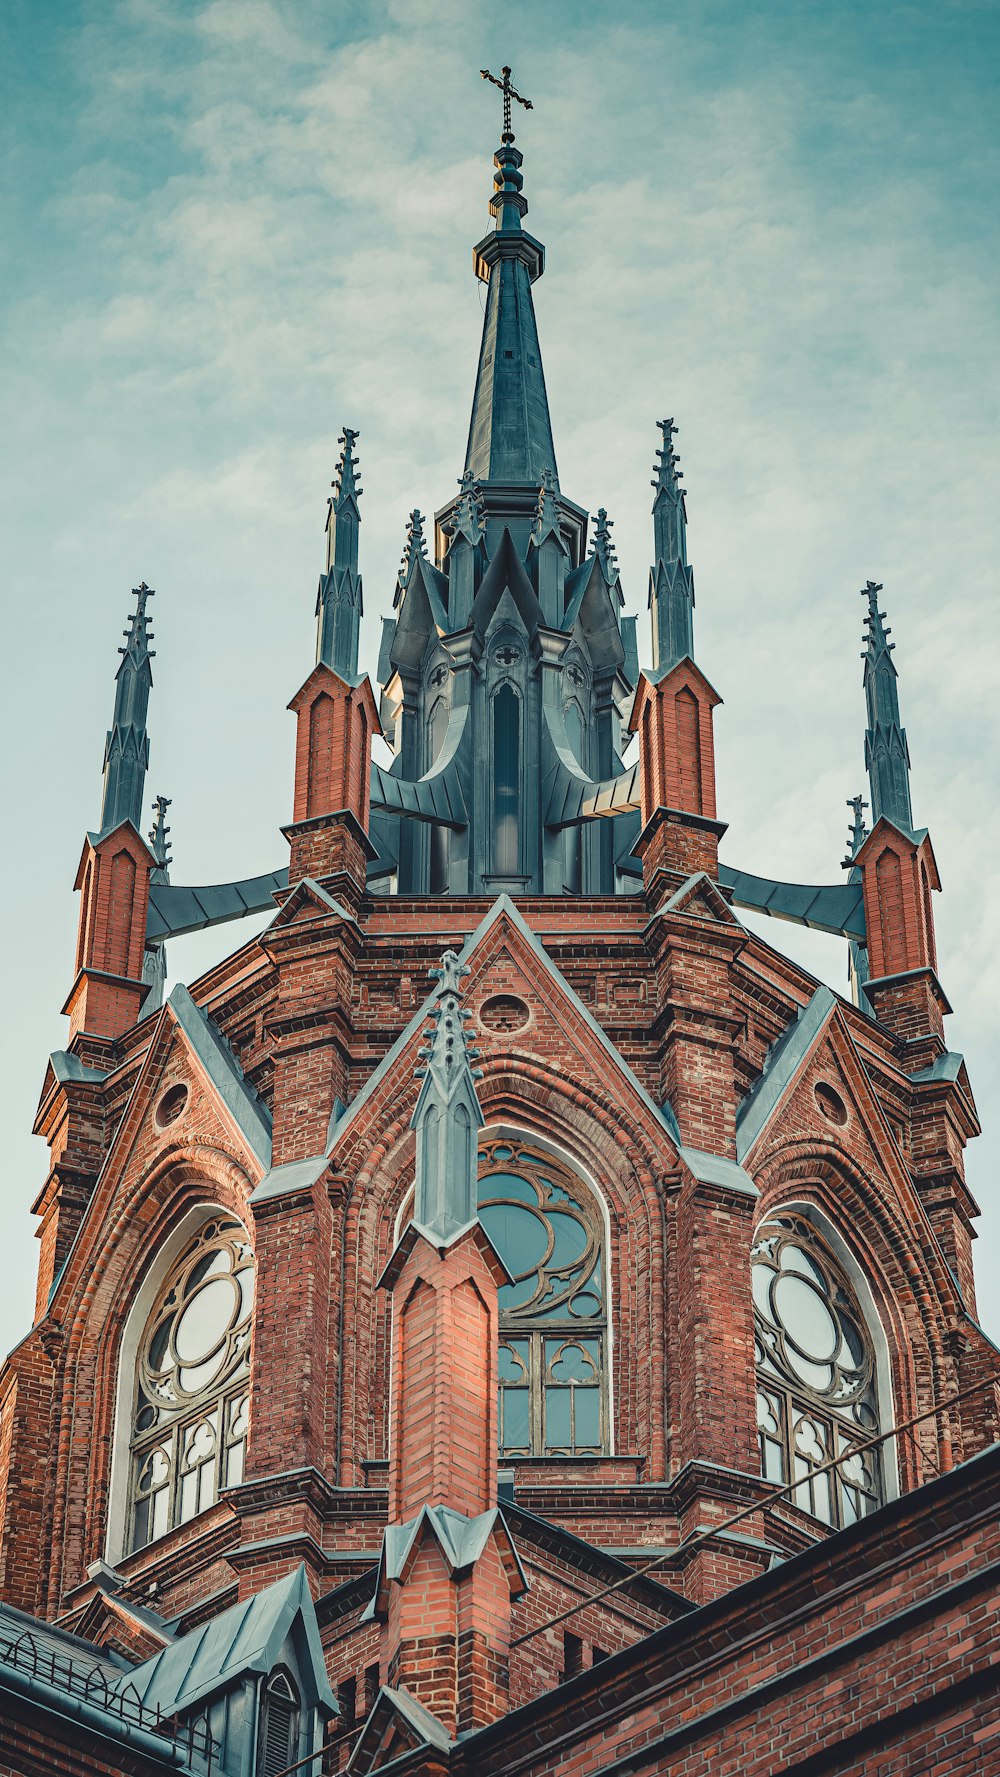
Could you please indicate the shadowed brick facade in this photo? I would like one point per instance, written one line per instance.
(468, 1528)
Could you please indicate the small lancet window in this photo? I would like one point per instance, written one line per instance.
(553, 1396)
(189, 1424)
(279, 1726)
(506, 782)
(817, 1393)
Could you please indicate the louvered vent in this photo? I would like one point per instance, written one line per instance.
(277, 1741)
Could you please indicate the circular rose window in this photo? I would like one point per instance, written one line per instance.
(172, 1105)
(504, 1012)
(831, 1104)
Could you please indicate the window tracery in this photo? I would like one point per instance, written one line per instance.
(553, 1327)
(191, 1404)
(817, 1392)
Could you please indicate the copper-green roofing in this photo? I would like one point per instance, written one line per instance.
(246, 1639)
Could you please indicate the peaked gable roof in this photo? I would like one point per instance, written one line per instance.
(248, 1638)
(223, 1072)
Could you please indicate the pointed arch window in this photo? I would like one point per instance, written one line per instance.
(279, 1726)
(191, 1401)
(506, 781)
(817, 1388)
(553, 1332)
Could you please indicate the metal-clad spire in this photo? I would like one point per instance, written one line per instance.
(603, 547)
(671, 582)
(887, 755)
(448, 1114)
(126, 752)
(510, 434)
(338, 601)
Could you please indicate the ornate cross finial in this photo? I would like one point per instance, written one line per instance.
(159, 831)
(509, 92)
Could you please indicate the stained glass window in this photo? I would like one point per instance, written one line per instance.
(189, 1425)
(506, 782)
(817, 1394)
(553, 1316)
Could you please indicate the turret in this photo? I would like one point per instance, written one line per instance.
(338, 601)
(896, 864)
(114, 874)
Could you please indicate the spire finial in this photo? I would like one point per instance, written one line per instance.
(603, 547)
(887, 755)
(468, 518)
(126, 751)
(859, 832)
(671, 583)
(338, 599)
(509, 92)
(448, 1113)
(159, 833)
(414, 547)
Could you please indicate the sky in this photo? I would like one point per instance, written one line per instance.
(231, 228)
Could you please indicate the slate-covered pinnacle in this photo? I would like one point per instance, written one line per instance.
(859, 832)
(339, 599)
(159, 838)
(468, 518)
(126, 752)
(671, 582)
(414, 547)
(887, 755)
(154, 961)
(448, 1115)
(603, 547)
(547, 513)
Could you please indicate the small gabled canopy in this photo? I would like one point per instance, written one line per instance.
(398, 1724)
(248, 1639)
(785, 1061)
(422, 613)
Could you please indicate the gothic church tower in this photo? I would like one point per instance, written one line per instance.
(480, 1306)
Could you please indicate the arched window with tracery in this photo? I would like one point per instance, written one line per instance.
(817, 1382)
(553, 1332)
(191, 1399)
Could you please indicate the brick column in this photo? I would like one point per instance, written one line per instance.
(333, 756)
(107, 994)
(680, 834)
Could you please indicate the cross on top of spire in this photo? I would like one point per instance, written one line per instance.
(509, 92)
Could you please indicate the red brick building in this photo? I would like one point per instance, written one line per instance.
(506, 1317)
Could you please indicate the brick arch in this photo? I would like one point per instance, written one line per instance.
(109, 1275)
(910, 1293)
(597, 1137)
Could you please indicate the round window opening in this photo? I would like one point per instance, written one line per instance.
(504, 1012)
(172, 1105)
(831, 1104)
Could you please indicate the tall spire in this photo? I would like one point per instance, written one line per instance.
(338, 601)
(126, 752)
(448, 1116)
(510, 435)
(887, 756)
(671, 583)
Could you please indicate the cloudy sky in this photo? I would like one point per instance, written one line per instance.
(231, 227)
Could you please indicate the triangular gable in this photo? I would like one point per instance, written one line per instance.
(247, 1639)
(306, 898)
(827, 1028)
(117, 1623)
(502, 912)
(506, 573)
(700, 898)
(592, 604)
(238, 1107)
(421, 614)
(398, 1724)
(785, 1061)
(223, 1074)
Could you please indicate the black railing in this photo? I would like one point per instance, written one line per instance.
(93, 1684)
